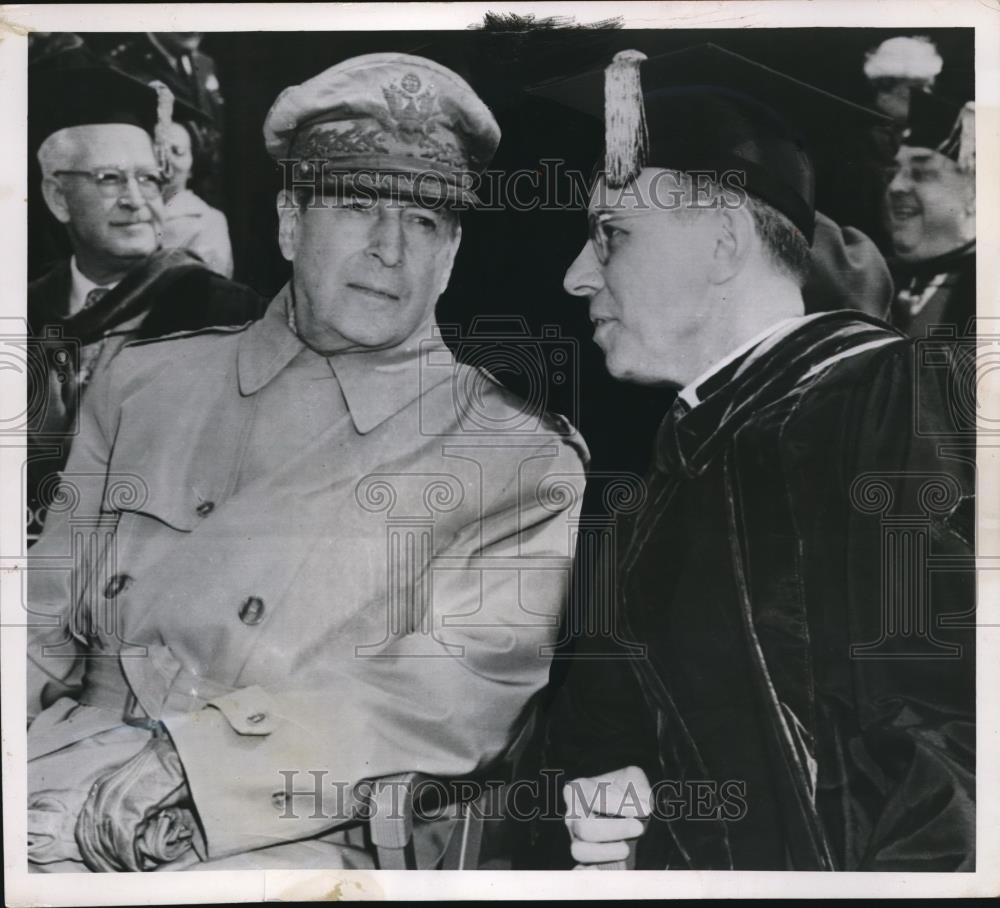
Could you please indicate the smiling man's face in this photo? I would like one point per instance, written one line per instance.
(367, 273)
(110, 232)
(929, 206)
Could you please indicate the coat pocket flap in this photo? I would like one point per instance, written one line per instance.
(250, 711)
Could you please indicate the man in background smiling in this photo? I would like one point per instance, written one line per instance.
(930, 213)
(93, 130)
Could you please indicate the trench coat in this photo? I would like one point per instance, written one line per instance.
(380, 600)
(171, 291)
(795, 614)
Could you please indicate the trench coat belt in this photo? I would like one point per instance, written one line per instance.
(106, 686)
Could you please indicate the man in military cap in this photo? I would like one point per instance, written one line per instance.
(930, 214)
(336, 553)
(102, 179)
(770, 707)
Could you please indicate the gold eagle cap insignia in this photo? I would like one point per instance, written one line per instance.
(412, 111)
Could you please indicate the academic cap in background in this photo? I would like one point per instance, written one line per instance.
(88, 93)
(705, 108)
(943, 125)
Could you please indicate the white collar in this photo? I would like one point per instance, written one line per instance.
(80, 286)
(689, 393)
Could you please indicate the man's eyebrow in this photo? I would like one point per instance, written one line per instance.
(923, 158)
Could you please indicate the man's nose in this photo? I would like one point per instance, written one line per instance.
(387, 237)
(131, 196)
(583, 278)
(901, 181)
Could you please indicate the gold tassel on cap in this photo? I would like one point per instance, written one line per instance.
(961, 143)
(164, 119)
(625, 137)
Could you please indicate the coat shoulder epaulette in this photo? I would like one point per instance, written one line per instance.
(552, 422)
(561, 426)
(194, 332)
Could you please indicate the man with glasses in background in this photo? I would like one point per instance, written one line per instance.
(101, 177)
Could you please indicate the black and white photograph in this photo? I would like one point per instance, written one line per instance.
(499, 437)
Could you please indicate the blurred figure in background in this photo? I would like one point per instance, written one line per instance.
(191, 222)
(175, 58)
(930, 213)
(897, 67)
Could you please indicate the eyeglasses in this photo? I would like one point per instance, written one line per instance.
(603, 232)
(112, 182)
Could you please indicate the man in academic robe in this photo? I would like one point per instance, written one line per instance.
(790, 679)
(102, 180)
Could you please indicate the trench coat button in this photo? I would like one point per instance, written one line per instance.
(117, 584)
(205, 508)
(256, 718)
(252, 611)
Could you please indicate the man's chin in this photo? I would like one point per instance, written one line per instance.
(133, 253)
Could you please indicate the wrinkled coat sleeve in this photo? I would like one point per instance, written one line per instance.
(444, 703)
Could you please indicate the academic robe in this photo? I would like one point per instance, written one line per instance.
(794, 615)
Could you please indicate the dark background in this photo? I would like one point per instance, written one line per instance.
(512, 263)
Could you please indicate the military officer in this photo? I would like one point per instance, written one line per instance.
(317, 548)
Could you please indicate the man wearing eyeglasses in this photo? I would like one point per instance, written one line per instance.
(795, 687)
(102, 180)
(336, 554)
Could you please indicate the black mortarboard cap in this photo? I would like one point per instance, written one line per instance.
(944, 125)
(89, 93)
(708, 109)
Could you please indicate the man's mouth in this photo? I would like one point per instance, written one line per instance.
(903, 210)
(377, 292)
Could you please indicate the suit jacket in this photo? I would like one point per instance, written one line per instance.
(801, 581)
(380, 600)
(171, 291)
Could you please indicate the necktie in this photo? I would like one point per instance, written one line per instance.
(95, 296)
(90, 352)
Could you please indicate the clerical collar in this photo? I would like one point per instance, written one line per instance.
(80, 286)
(718, 374)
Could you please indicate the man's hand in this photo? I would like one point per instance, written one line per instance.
(604, 813)
(126, 813)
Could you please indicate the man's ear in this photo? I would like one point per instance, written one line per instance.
(55, 199)
(289, 218)
(451, 251)
(734, 239)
